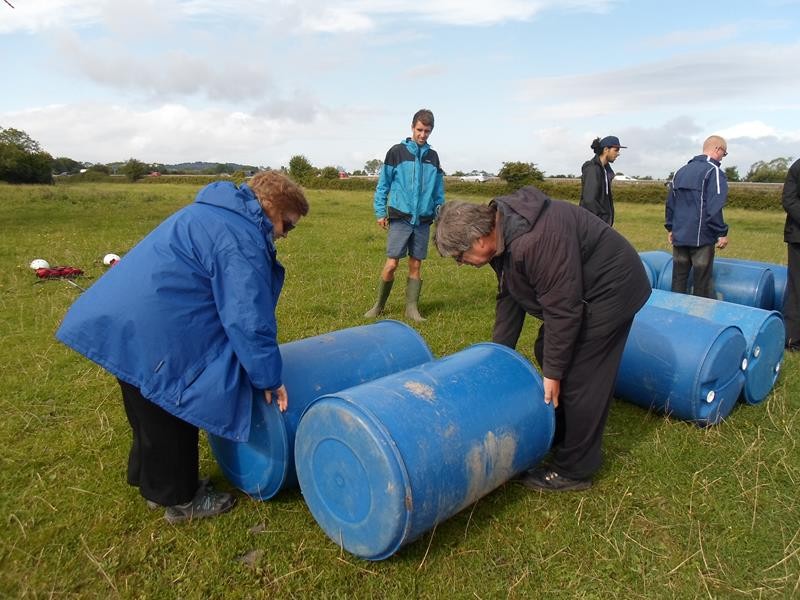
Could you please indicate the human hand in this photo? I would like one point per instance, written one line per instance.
(722, 242)
(384, 222)
(552, 387)
(669, 238)
(282, 398)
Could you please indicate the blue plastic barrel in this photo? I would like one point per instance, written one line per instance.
(313, 366)
(688, 367)
(381, 463)
(763, 331)
(779, 272)
(749, 285)
(652, 276)
(655, 261)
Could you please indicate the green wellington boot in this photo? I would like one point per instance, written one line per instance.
(383, 293)
(413, 287)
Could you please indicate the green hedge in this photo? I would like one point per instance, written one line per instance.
(751, 196)
(740, 195)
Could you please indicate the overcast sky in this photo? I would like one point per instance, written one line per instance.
(258, 81)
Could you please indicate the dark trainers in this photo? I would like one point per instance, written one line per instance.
(547, 480)
(206, 503)
(205, 482)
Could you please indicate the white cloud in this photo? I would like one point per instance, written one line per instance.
(170, 74)
(170, 133)
(750, 129)
(345, 16)
(432, 71)
(336, 19)
(697, 81)
(694, 37)
(32, 17)
(175, 133)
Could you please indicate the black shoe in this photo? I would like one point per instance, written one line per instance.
(205, 483)
(206, 503)
(547, 480)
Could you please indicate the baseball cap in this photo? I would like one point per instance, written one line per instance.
(611, 141)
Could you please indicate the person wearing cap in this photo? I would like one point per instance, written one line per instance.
(596, 177)
(693, 218)
(791, 235)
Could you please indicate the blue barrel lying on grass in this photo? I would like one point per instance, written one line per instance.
(763, 331)
(749, 285)
(652, 276)
(779, 272)
(655, 260)
(687, 367)
(381, 463)
(313, 366)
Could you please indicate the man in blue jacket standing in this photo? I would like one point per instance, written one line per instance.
(694, 218)
(407, 199)
(186, 323)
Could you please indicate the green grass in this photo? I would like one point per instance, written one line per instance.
(677, 511)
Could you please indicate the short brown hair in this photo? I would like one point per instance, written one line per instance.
(280, 191)
(424, 116)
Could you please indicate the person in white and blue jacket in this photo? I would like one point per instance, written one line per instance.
(186, 322)
(408, 197)
(694, 219)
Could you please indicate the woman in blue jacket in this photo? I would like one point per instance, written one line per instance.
(186, 322)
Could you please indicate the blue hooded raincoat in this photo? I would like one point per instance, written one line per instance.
(188, 315)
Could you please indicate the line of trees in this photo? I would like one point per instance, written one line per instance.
(23, 160)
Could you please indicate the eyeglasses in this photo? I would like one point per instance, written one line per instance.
(288, 226)
(724, 151)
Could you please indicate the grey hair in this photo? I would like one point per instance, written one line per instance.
(460, 224)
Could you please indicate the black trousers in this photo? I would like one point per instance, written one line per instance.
(701, 261)
(587, 390)
(164, 459)
(791, 302)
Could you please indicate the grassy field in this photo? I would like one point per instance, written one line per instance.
(677, 511)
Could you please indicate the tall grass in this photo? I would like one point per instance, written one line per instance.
(677, 511)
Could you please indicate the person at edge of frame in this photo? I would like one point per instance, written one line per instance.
(584, 281)
(186, 323)
(408, 196)
(791, 235)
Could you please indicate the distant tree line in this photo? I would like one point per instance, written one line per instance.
(23, 160)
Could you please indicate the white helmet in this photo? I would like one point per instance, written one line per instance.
(39, 263)
(110, 259)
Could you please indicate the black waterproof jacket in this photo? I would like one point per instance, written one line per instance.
(596, 196)
(791, 204)
(562, 264)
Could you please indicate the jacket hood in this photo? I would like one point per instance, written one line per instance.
(241, 200)
(703, 158)
(520, 211)
(415, 148)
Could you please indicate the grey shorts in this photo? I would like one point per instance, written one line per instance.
(405, 238)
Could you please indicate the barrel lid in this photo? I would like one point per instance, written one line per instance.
(765, 355)
(721, 373)
(259, 466)
(353, 478)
